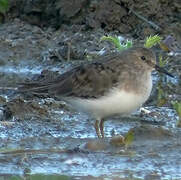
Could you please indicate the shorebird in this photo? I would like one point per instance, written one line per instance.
(118, 83)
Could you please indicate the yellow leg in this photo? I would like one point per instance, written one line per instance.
(102, 128)
(97, 128)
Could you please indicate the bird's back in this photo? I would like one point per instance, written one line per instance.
(91, 80)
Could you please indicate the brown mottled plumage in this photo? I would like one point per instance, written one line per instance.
(118, 83)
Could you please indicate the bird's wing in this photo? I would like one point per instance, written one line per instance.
(85, 81)
(89, 81)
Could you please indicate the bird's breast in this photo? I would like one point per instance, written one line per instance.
(117, 101)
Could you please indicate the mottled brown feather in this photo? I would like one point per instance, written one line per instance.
(97, 78)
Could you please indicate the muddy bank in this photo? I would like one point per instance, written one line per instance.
(44, 135)
(40, 134)
(121, 15)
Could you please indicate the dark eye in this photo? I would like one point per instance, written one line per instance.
(143, 58)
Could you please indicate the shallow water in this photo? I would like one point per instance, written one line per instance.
(45, 138)
(60, 146)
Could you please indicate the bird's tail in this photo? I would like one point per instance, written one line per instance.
(35, 88)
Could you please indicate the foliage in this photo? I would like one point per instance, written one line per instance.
(123, 140)
(161, 98)
(116, 41)
(162, 62)
(4, 6)
(129, 138)
(177, 107)
(152, 40)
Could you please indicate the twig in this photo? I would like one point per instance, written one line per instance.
(9, 88)
(33, 151)
(68, 51)
(142, 18)
(145, 20)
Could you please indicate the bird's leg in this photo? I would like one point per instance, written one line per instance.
(102, 127)
(97, 128)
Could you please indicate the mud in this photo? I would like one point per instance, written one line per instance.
(42, 137)
(109, 15)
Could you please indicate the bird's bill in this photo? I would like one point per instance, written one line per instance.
(162, 70)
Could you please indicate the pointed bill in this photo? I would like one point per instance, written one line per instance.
(162, 70)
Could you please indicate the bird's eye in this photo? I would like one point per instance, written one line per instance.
(143, 58)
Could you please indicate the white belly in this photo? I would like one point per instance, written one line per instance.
(115, 102)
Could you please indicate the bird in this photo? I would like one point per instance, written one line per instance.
(117, 83)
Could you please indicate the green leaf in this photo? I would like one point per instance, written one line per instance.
(152, 40)
(129, 44)
(116, 41)
(162, 62)
(177, 107)
(129, 138)
(4, 6)
(161, 99)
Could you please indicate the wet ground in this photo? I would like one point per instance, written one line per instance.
(41, 135)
